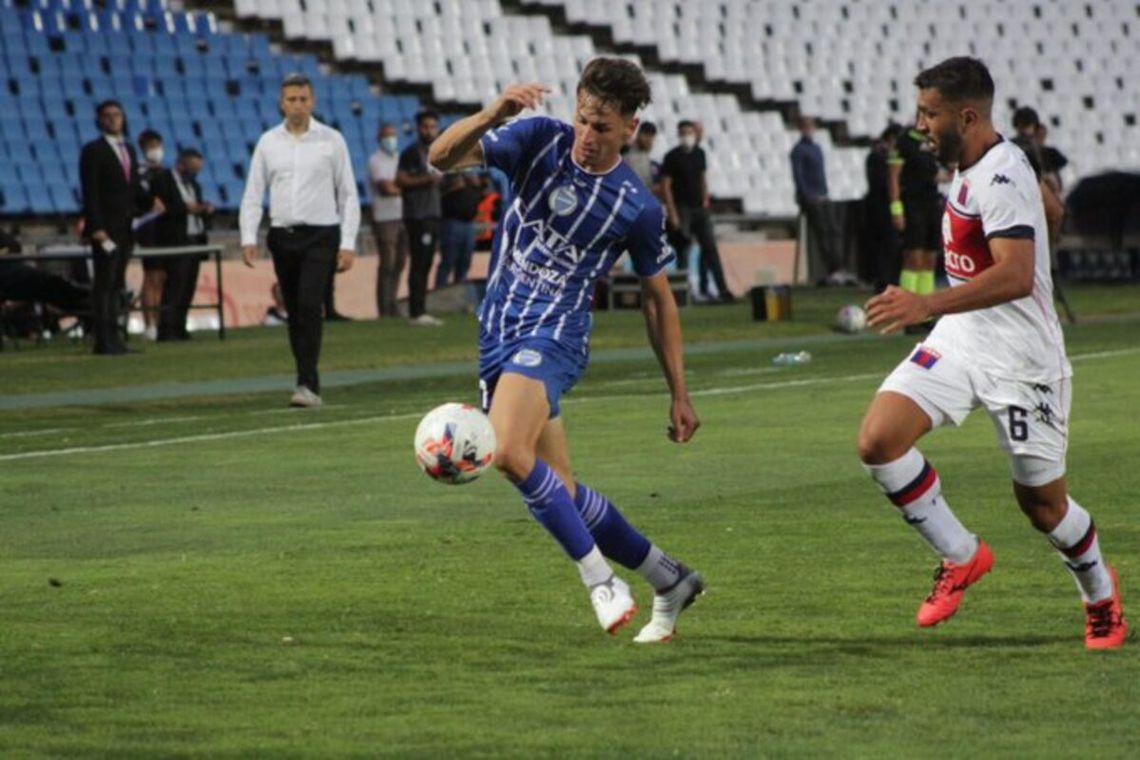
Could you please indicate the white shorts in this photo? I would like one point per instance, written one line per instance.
(1031, 418)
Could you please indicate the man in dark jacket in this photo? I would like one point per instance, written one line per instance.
(112, 197)
(187, 224)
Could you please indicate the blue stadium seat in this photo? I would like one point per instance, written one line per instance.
(13, 199)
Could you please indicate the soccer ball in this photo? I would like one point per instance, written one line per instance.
(851, 319)
(454, 443)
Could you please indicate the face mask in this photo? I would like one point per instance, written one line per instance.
(689, 141)
(154, 155)
(390, 143)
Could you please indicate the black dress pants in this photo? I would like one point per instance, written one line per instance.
(696, 224)
(107, 295)
(178, 293)
(303, 258)
(423, 238)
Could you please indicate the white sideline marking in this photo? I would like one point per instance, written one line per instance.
(389, 418)
(201, 437)
(154, 421)
(26, 433)
(1104, 354)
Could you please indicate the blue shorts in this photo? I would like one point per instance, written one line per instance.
(558, 367)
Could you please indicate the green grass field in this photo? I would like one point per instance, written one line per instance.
(188, 568)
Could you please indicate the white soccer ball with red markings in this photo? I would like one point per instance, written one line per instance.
(455, 443)
(851, 319)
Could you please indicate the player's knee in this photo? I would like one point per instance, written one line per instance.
(514, 459)
(876, 446)
(1044, 513)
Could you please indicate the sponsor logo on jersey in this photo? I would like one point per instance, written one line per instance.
(925, 357)
(963, 194)
(563, 201)
(1001, 179)
(528, 357)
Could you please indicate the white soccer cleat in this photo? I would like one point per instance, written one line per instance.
(304, 398)
(613, 604)
(668, 606)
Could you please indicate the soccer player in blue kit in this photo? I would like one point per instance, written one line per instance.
(577, 207)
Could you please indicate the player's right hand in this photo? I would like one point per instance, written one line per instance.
(99, 236)
(898, 221)
(248, 254)
(683, 420)
(517, 98)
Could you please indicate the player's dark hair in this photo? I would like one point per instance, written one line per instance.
(685, 124)
(187, 153)
(426, 113)
(149, 136)
(616, 81)
(958, 80)
(1025, 117)
(647, 128)
(296, 79)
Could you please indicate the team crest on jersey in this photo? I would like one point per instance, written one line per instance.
(563, 200)
(528, 357)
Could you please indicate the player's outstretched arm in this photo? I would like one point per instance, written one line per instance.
(1010, 278)
(458, 147)
(663, 324)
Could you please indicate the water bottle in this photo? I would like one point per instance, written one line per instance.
(789, 358)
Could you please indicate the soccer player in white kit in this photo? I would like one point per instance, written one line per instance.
(997, 345)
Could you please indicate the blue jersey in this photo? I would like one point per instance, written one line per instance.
(563, 230)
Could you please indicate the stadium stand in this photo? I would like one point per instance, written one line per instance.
(175, 72)
(745, 68)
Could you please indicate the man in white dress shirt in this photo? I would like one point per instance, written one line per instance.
(313, 219)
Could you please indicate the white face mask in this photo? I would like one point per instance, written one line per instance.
(689, 141)
(390, 143)
(154, 155)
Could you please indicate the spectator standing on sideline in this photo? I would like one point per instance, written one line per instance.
(190, 222)
(459, 202)
(313, 219)
(809, 173)
(685, 190)
(159, 232)
(112, 196)
(916, 210)
(420, 182)
(638, 156)
(387, 219)
(880, 239)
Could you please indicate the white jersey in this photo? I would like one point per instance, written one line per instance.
(999, 196)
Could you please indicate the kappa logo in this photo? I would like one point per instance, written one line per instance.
(563, 201)
(528, 357)
(1001, 179)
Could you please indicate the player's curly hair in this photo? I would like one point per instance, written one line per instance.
(958, 80)
(616, 81)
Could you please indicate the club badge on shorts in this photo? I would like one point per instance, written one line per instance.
(563, 200)
(528, 357)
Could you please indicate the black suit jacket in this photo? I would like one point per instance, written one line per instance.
(110, 201)
(168, 230)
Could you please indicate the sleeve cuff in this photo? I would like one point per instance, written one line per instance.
(1017, 232)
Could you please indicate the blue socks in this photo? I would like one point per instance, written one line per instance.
(548, 500)
(617, 539)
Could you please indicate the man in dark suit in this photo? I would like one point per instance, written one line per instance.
(185, 222)
(112, 197)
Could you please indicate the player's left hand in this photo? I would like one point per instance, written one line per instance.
(683, 420)
(344, 260)
(895, 308)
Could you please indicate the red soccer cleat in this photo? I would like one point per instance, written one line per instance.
(1105, 626)
(950, 582)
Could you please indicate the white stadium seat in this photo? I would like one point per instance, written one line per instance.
(852, 62)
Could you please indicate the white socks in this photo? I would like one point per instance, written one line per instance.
(1075, 539)
(659, 569)
(913, 485)
(594, 569)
